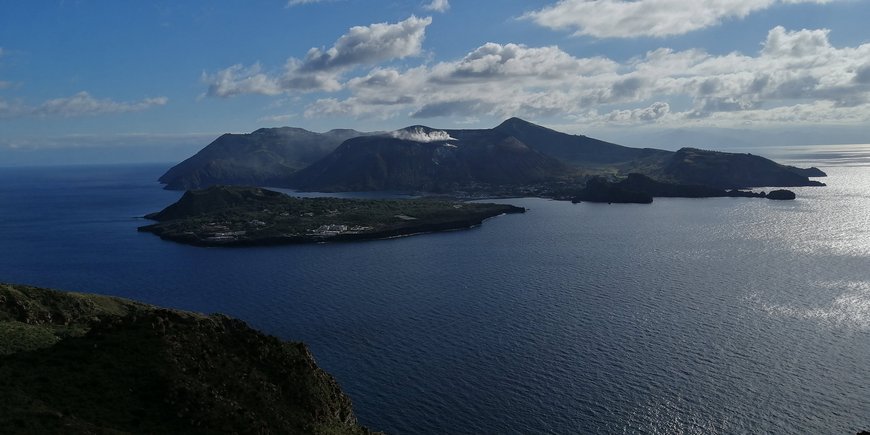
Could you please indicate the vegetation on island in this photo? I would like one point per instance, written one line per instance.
(236, 216)
(82, 364)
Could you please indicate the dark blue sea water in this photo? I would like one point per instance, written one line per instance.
(685, 316)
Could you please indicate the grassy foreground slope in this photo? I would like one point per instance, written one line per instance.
(77, 363)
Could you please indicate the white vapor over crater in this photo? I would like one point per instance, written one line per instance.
(420, 135)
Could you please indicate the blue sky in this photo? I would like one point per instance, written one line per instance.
(168, 76)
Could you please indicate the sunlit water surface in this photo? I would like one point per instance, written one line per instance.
(696, 316)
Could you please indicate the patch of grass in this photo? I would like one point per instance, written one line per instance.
(18, 337)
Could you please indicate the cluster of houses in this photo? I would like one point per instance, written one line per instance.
(330, 230)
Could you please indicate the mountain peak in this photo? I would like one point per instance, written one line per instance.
(515, 123)
(279, 130)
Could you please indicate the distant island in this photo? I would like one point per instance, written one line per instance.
(79, 363)
(245, 216)
(516, 158)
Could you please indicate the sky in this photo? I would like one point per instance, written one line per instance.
(107, 80)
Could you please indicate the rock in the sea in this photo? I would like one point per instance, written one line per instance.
(781, 195)
(598, 189)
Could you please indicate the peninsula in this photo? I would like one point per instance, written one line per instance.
(640, 189)
(247, 216)
(79, 363)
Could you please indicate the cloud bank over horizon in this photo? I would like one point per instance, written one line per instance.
(796, 76)
(80, 104)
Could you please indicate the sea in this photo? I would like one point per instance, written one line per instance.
(686, 316)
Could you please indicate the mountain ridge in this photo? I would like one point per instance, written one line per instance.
(264, 156)
(515, 157)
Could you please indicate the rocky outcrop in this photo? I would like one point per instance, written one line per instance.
(642, 183)
(599, 189)
(781, 195)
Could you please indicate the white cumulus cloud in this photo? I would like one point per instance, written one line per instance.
(369, 45)
(438, 6)
(239, 79)
(321, 68)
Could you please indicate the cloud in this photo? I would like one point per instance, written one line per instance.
(420, 135)
(292, 3)
(654, 112)
(638, 18)
(321, 69)
(237, 80)
(463, 107)
(493, 79)
(114, 141)
(792, 74)
(437, 6)
(83, 103)
(511, 61)
(277, 118)
(782, 43)
(80, 104)
(862, 74)
(4, 84)
(367, 45)
(11, 109)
